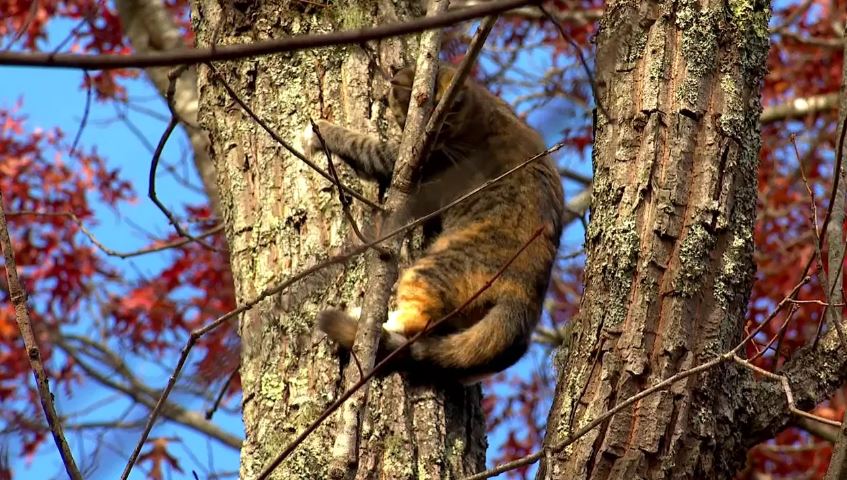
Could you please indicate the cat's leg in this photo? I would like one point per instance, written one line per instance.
(369, 156)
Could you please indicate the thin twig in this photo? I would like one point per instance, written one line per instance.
(219, 398)
(85, 111)
(109, 251)
(216, 53)
(345, 202)
(154, 162)
(837, 469)
(18, 297)
(30, 16)
(836, 241)
(128, 384)
(786, 387)
(151, 188)
(778, 336)
(580, 56)
(534, 457)
(86, 19)
(728, 356)
(433, 126)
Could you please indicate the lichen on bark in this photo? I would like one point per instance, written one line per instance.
(669, 244)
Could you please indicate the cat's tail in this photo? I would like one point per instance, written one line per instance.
(492, 344)
(341, 328)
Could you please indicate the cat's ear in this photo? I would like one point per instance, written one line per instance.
(403, 78)
(445, 76)
(458, 100)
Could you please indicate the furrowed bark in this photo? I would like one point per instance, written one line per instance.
(669, 246)
(281, 217)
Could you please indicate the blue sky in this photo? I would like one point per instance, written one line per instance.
(53, 98)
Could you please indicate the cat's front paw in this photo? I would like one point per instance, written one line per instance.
(309, 141)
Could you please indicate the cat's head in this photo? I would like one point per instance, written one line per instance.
(401, 94)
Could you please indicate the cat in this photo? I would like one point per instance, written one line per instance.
(481, 137)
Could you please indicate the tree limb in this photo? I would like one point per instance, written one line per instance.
(217, 53)
(18, 298)
(799, 107)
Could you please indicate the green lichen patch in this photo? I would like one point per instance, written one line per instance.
(693, 260)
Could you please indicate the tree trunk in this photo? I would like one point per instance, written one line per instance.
(281, 218)
(669, 246)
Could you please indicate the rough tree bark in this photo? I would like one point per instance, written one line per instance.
(281, 218)
(669, 246)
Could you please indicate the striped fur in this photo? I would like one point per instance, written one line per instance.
(481, 138)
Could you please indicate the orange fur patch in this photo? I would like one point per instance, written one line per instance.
(415, 300)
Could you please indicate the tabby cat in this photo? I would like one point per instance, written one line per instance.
(480, 138)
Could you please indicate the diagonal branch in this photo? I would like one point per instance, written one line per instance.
(18, 297)
(730, 356)
(143, 394)
(249, 111)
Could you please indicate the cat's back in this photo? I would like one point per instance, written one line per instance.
(504, 141)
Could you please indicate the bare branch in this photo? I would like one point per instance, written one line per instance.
(530, 459)
(816, 41)
(154, 163)
(584, 63)
(786, 388)
(109, 251)
(382, 269)
(142, 393)
(575, 176)
(211, 411)
(85, 111)
(18, 298)
(30, 16)
(217, 53)
(566, 15)
(799, 107)
(838, 465)
(342, 199)
(417, 142)
(731, 355)
(151, 187)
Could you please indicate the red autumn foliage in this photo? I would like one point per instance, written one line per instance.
(43, 181)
